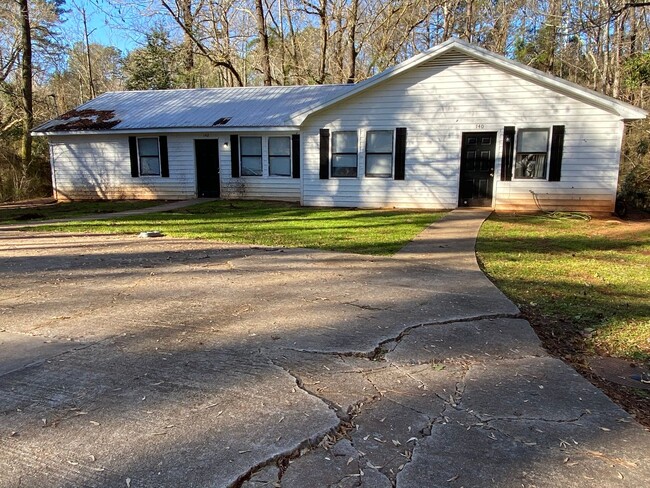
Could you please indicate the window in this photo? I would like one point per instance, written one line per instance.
(344, 154)
(280, 156)
(149, 156)
(532, 149)
(379, 153)
(251, 156)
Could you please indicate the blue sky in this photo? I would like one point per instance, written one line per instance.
(109, 23)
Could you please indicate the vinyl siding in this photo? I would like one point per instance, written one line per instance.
(99, 167)
(440, 100)
(266, 187)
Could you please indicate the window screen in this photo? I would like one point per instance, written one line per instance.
(280, 156)
(379, 153)
(532, 149)
(344, 153)
(149, 156)
(250, 152)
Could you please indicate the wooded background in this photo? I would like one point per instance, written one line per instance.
(50, 64)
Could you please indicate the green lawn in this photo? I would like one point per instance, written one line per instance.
(577, 281)
(276, 224)
(67, 210)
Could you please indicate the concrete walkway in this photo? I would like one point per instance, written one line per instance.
(189, 363)
(165, 207)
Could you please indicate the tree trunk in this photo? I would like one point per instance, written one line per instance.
(469, 21)
(264, 38)
(27, 99)
(352, 41)
(89, 64)
(324, 35)
(188, 45)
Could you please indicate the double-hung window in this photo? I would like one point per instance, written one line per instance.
(344, 154)
(251, 155)
(149, 156)
(379, 153)
(279, 156)
(532, 154)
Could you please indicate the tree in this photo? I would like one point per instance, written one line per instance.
(153, 66)
(26, 86)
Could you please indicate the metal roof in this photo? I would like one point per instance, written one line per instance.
(261, 106)
(219, 109)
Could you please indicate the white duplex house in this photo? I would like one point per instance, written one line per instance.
(454, 126)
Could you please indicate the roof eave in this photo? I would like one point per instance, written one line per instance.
(168, 130)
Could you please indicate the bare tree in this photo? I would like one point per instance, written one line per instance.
(26, 87)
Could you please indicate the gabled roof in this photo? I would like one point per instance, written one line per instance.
(282, 107)
(612, 105)
(210, 108)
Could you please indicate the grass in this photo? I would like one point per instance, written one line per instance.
(66, 210)
(577, 281)
(381, 232)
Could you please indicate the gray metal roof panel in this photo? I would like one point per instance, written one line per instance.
(262, 106)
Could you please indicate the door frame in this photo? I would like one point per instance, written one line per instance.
(196, 164)
(492, 180)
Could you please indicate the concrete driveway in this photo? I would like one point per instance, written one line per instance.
(164, 362)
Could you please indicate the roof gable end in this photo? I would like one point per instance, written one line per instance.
(567, 88)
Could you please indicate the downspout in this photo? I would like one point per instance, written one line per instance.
(55, 193)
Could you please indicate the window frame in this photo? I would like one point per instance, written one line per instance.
(140, 156)
(392, 154)
(242, 156)
(518, 154)
(355, 154)
(270, 156)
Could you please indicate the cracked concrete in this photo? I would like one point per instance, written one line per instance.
(189, 363)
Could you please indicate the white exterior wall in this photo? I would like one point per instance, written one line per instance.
(99, 167)
(263, 187)
(440, 100)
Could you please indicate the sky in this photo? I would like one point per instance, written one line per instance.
(110, 22)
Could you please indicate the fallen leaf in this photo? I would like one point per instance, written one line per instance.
(94, 422)
(396, 442)
(454, 478)
(128, 483)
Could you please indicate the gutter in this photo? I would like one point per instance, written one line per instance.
(167, 130)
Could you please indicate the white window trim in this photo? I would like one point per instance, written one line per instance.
(331, 168)
(241, 155)
(515, 154)
(392, 157)
(141, 174)
(268, 157)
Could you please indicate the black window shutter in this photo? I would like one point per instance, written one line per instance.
(295, 155)
(234, 155)
(133, 150)
(507, 153)
(164, 157)
(557, 146)
(400, 153)
(324, 154)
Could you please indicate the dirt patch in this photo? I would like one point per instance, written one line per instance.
(565, 341)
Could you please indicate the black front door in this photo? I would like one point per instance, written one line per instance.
(207, 167)
(477, 169)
